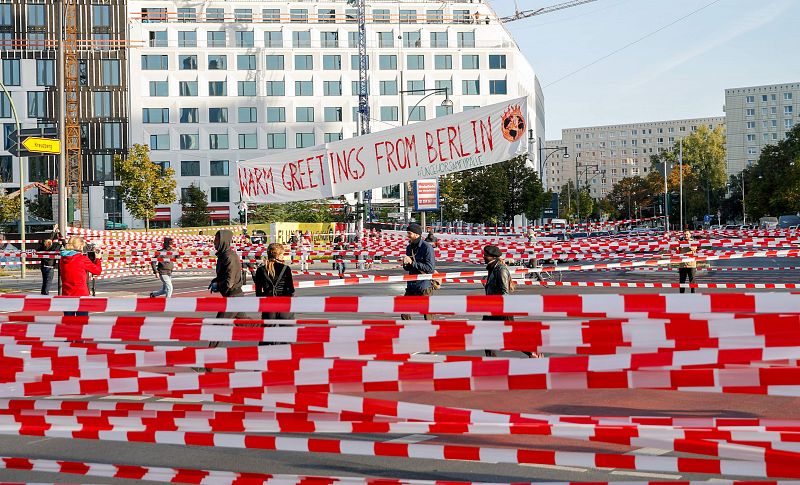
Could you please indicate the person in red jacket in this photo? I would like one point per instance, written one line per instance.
(74, 268)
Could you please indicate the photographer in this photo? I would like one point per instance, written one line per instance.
(77, 261)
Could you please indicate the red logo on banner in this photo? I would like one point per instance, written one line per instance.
(513, 123)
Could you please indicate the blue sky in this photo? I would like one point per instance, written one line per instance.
(680, 72)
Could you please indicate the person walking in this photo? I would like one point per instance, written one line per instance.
(47, 263)
(228, 281)
(688, 269)
(419, 259)
(274, 278)
(339, 247)
(74, 268)
(163, 269)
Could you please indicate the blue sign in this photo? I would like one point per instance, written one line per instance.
(707, 219)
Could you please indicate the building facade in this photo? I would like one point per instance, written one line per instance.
(758, 116)
(30, 70)
(600, 156)
(223, 81)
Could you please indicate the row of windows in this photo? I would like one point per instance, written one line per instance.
(329, 88)
(636, 132)
(35, 15)
(46, 72)
(247, 141)
(305, 62)
(301, 15)
(773, 110)
(772, 97)
(767, 137)
(770, 124)
(302, 38)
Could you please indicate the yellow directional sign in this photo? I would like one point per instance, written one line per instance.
(42, 145)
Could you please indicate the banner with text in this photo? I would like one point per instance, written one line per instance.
(428, 149)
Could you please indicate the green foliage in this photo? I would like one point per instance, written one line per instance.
(626, 197)
(772, 185)
(568, 209)
(305, 211)
(143, 184)
(194, 208)
(41, 206)
(9, 208)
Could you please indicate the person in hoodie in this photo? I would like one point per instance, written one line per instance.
(163, 269)
(74, 267)
(228, 281)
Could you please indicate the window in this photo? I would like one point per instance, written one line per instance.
(247, 114)
(751, 137)
(497, 61)
(750, 99)
(389, 113)
(301, 38)
(271, 15)
(298, 15)
(276, 141)
(388, 87)
(244, 38)
(385, 39)
(787, 110)
(466, 39)
(444, 61)
(333, 114)
(387, 63)
(332, 62)
(276, 114)
(159, 142)
(158, 38)
(246, 88)
(217, 63)
(471, 86)
(219, 168)
(6, 170)
(190, 141)
(216, 39)
(332, 88)
(243, 15)
(215, 15)
(11, 72)
(155, 63)
(220, 194)
(218, 141)
(331, 137)
(443, 110)
(329, 39)
(275, 62)
(354, 62)
(462, 17)
(303, 88)
(788, 124)
(37, 104)
(303, 63)
(751, 125)
(6, 40)
(352, 39)
(470, 62)
(304, 140)
(381, 16)
(752, 150)
(45, 72)
(154, 115)
(326, 15)
(187, 88)
(355, 85)
(248, 141)
(245, 62)
(412, 39)
(217, 115)
(416, 62)
(103, 167)
(416, 113)
(38, 169)
(276, 88)
(273, 39)
(304, 114)
(415, 86)
(787, 96)
(36, 16)
(6, 17)
(190, 168)
(438, 39)
(102, 41)
(112, 135)
(750, 112)
(390, 192)
(109, 72)
(5, 107)
(187, 14)
(217, 88)
(187, 63)
(189, 115)
(445, 84)
(498, 86)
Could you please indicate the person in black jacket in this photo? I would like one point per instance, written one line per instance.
(228, 282)
(419, 259)
(47, 264)
(274, 279)
(163, 269)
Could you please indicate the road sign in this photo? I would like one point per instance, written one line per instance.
(17, 148)
(42, 145)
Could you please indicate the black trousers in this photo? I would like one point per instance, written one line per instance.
(684, 274)
(426, 292)
(47, 278)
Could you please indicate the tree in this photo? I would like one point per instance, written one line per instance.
(704, 152)
(772, 185)
(627, 196)
(9, 208)
(41, 206)
(194, 208)
(143, 184)
(452, 198)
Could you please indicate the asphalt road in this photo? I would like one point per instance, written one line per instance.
(594, 402)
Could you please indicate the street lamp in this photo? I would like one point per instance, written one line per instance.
(21, 184)
(542, 158)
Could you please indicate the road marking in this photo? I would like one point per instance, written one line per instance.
(412, 438)
(646, 475)
(649, 451)
(556, 467)
(39, 440)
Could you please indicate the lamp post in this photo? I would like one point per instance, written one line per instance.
(542, 158)
(21, 185)
(447, 102)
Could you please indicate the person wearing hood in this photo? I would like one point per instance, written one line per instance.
(48, 248)
(74, 267)
(419, 259)
(163, 269)
(228, 281)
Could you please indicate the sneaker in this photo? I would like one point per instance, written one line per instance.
(152, 295)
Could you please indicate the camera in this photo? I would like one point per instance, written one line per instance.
(91, 252)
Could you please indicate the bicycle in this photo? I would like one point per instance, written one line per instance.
(543, 275)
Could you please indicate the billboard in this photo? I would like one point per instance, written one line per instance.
(426, 195)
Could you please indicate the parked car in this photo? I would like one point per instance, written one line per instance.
(110, 225)
(784, 222)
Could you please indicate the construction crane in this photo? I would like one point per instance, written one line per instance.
(524, 14)
(363, 67)
(72, 127)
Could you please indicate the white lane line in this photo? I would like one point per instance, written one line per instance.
(556, 467)
(646, 475)
(412, 438)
